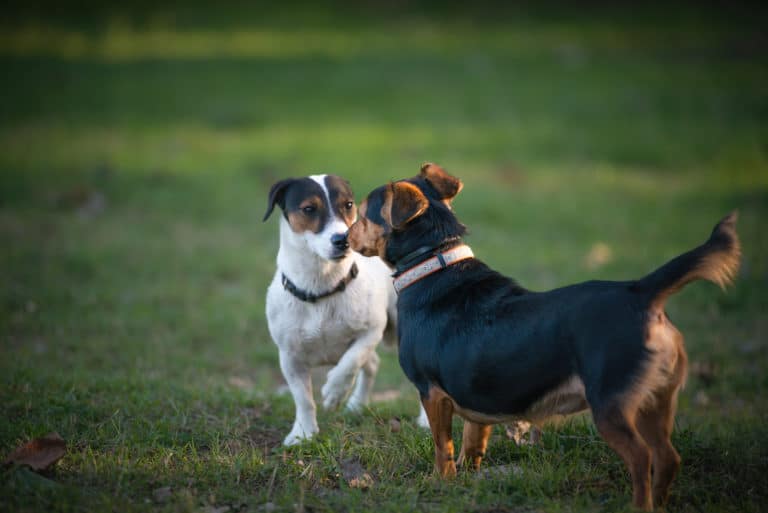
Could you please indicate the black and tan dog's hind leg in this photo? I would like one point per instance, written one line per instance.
(656, 415)
(474, 442)
(638, 425)
(439, 409)
(655, 426)
(639, 429)
(618, 429)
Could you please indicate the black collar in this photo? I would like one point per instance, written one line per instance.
(310, 297)
(423, 253)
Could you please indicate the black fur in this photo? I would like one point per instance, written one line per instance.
(288, 194)
(433, 229)
(495, 347)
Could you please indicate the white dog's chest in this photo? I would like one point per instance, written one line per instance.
(318, 333)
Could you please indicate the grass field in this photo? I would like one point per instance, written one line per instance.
(136, 149)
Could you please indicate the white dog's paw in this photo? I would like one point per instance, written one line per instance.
(298, 435)
(335, 390)
(422, 421)
(354, 405)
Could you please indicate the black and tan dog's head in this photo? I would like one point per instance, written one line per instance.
(319, 210)
(397, 218)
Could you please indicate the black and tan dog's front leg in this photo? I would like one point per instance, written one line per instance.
(473, 444)
(439, 408)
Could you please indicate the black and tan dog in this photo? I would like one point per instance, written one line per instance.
(477, 344)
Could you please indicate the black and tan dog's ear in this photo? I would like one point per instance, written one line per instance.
(447, 186)
(277, 196)
(407, 203)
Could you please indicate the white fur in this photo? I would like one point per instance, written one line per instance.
(342, 330)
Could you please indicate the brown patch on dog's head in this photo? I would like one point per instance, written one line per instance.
(342, 199)
(302, 202)
(390, 207)
(306, 217)
(447, 186)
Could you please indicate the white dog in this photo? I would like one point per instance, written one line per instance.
(326, 305)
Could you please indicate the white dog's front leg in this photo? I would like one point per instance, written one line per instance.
(299, 381)
(340, 377)
(359, 398)
(422, 420)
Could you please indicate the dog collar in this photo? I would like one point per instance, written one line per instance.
(309, 297)
(432, 265)
(415, 256)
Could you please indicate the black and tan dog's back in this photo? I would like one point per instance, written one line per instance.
(477, 344)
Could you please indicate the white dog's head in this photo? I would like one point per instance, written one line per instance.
(319, 210)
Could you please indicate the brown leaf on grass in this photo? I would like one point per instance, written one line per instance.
(517, 431)
(242, 383)
(706, 371)
(599, 254)
(385, 395)
(701, 398)
(355, 474)
(40, 453)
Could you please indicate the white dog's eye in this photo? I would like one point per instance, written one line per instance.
(349, 205)
(309, 209)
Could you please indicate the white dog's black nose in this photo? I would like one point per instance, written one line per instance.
(339, 241)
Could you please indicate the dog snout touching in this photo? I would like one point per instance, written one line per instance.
(339, 241)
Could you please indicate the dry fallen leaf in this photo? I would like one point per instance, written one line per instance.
(242, 383)
(355, 475)
(517, 431)
(701, 398)
(599, 254)
(40, 453)
(706, 371)
(385, 395)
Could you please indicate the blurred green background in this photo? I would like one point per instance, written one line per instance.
(137, 144)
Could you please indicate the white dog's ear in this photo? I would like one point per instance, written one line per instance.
(447, 186)
(277, 196)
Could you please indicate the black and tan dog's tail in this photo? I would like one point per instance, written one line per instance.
(717, 260)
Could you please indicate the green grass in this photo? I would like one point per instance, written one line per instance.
(136, 149)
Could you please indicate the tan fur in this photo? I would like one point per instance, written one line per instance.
(563, 400)
(300, 222)
(719, 267)
(439, 408)
(640, 425)
(474, 441)
(349, 216)
(621, 434)
(446, 185)
(366, 237)
(405, 203)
